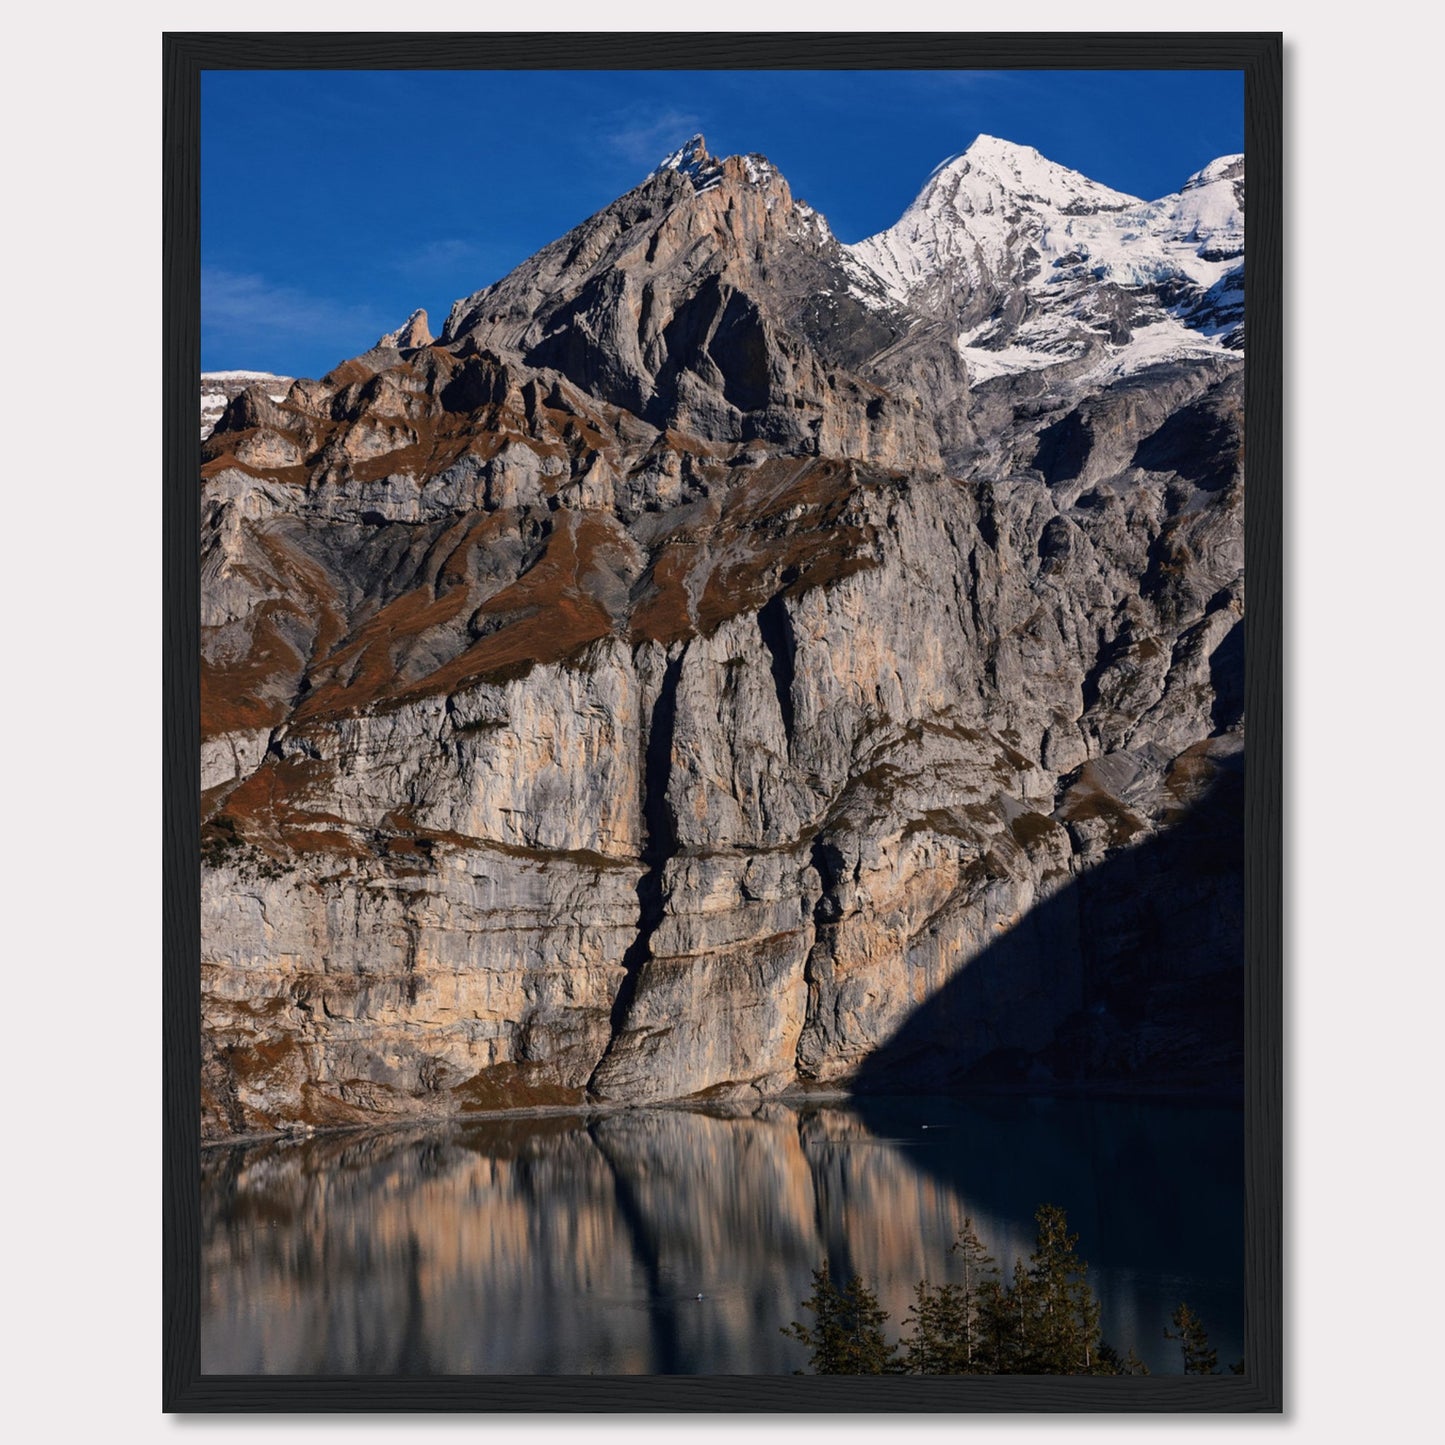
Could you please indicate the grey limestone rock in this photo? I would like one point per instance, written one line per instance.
(678, 680)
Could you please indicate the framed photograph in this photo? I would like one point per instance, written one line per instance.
(722, 789)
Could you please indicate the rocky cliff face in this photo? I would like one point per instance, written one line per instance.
(676, 679)
(219, 388)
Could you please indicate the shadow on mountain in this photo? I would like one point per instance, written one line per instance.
(1148, 981)
(1063, 448)
(1154, 1189)
(1199, 442)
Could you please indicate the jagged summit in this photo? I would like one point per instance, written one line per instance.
(707, 172)
(708, 300)
(413, 332)
(690, 158)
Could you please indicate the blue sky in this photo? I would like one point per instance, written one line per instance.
(334, 202)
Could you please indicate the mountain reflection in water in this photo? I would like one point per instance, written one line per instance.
(575, 1245)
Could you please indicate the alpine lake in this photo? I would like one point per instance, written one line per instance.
(681, 1241)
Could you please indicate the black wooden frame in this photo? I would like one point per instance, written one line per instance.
(1258, 55)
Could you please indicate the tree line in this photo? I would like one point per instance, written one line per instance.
(1043, 1320)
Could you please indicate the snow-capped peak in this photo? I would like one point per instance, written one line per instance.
(690, 158)
(1020, 171)
(984, 218)
(1224, 168)
(1019, 251)
(995, 146)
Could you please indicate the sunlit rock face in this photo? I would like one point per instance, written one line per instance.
(219, 388)
(680, 678)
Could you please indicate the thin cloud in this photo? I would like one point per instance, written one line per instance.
(644, 139)
(966, 79)
(443, 254)
(445, 251)
(252, 316)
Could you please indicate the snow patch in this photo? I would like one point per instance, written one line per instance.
(811, 224)
(1166, 340)
(1032, 346)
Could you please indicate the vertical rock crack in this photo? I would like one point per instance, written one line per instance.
(660, 845)
(775, 627)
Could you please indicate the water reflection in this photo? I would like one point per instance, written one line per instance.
(575, 1245)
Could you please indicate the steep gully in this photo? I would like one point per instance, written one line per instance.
(659, 848)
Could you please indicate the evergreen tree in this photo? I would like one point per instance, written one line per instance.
(1111, 1362)
(1199, 1358)
(846, 1336)
(994, 1328)
(1044, 1321)
(1063, 1336)
(1012, 1325)
(947, 1336)
(937, 1316)
(978, 1272)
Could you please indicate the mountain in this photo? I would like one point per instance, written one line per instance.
(413, 332)
(218, 388)
(696, 674)
(708, 300)
(1038, 265)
